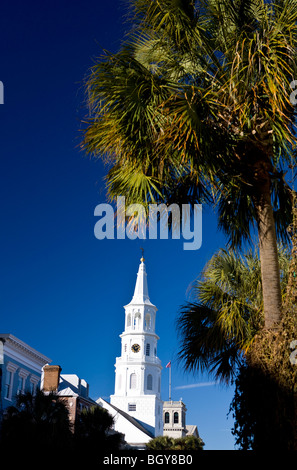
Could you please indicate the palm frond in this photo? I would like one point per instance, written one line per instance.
(194, 83)
(217, 328)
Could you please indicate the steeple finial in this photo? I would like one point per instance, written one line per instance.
(142, 258)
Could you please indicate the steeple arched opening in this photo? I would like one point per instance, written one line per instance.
(148, 321)
(149, 383)
(133, 381)
(137, 320)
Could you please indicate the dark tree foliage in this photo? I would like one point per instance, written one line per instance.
(40, 423)
(39, 420)
(94, 433)
(263, 412)
(170, 443)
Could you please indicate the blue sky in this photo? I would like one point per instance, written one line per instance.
(62, 290)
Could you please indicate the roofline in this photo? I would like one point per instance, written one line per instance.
(140, 304)
(130, 418)
(21, 344)
(138, 332)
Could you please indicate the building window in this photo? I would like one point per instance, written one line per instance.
(8, 384)
(21, 385)
(148, 349)
(175, 417)
(133, 381)
(167, 418)
(183, 420)
(23, 374)
(131, 406)
(128, 320)
(33, 388)
(149, 382)
(34, 380)
(11, 368)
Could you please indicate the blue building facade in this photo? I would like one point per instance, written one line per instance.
(20, 369)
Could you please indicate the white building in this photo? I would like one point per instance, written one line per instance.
(175, 426)
(135, 434)
(138, 371)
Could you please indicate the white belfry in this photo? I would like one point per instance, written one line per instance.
(138, 369)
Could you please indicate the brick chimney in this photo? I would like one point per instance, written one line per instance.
(51, 378)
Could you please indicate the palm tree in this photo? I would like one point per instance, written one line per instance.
(40, 419)
(195, 107)
(171, 443)
(94, 433)
(217, 328)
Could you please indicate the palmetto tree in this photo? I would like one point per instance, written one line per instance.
(195, 107)
(94, 433)
(40, 419)
(218, 326)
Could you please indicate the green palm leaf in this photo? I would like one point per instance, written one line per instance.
(218, 326)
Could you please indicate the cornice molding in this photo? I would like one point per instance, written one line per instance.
(16, 349)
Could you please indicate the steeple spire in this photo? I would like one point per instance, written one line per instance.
(141, 295)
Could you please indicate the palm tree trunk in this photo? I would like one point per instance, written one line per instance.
(267, 246)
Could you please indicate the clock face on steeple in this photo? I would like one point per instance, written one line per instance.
(135, 348)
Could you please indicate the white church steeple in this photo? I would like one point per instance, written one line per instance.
(138, 369)
(141, 290)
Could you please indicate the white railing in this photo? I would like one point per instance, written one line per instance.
(127, 358)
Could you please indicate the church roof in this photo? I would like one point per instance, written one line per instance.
(71, 385)
(192, 429)
(67, 392)
(125, 415)
(141, 295)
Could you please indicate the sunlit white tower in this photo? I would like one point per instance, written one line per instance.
(138, 369)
